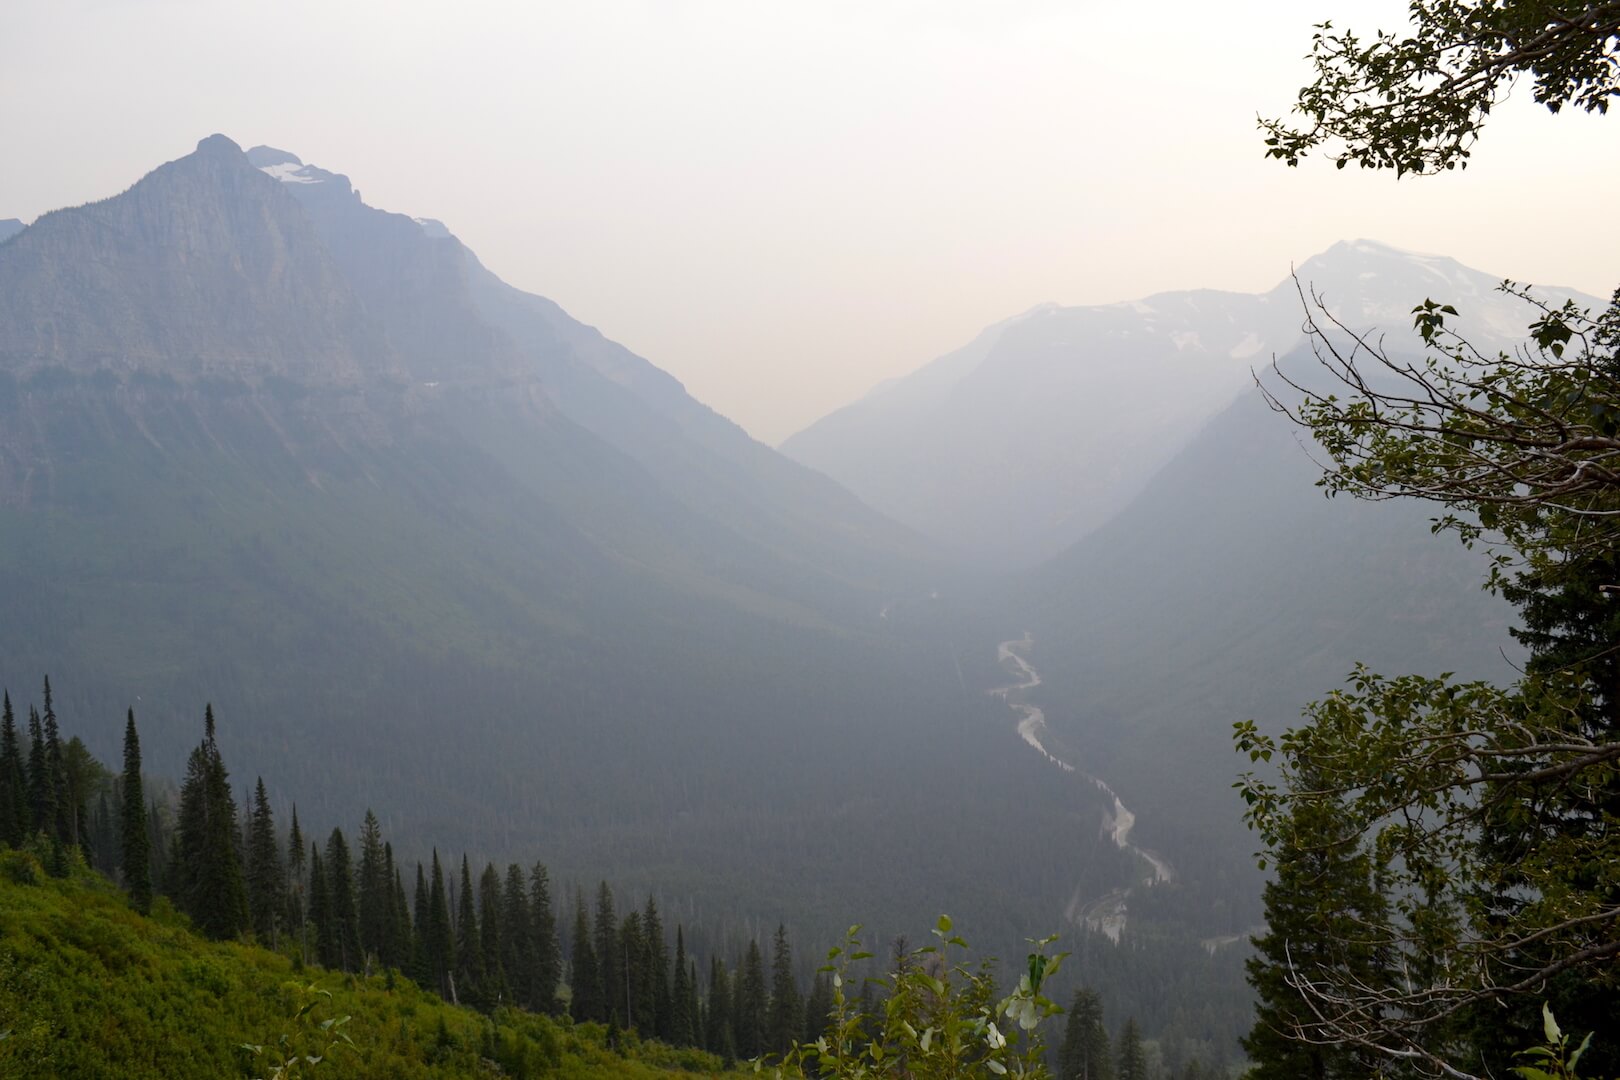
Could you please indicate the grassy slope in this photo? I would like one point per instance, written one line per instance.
(89, 989)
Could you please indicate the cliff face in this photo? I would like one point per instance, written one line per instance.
(205, 269)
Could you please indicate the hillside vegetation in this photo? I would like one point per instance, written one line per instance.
(90, 989)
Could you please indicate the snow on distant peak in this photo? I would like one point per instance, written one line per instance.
(287, 168)
(289, 172)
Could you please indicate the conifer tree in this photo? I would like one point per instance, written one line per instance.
(267, 880)
(717, 1026)
(398, 952)
(14, 811)
(209, 885)
(1132, 1056)
(637, 998)
(325, 935)
(375, 888)
(1086, 1054)
(345, 909)
(694, 1007)
(680, 1016)
(469, 967)
(817, 1007)
(421, 966)
(136, 863)
(517, 937)
(103, 833)
(1318, 909)
(547, 958)
(585, 978)
(65, 828)
(298, 886)
(493, 989)
(41, 796)
(752, 1008)
(610, 965)
(785, 1021)
(659, 1019)
(439, 944)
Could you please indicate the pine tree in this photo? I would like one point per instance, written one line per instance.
(267, 880)
(752, 1009)
(610, 965)
(345, 908)
(1086, 1054)
(1318, 908)
(439, 942)
(694, 1007)
(65, 827)
(375, 890)
(491, 934)
(637, 999)
(785, 1021)
(326, 937)
(658, 1020)
(517, 938)
(14, 810)
(585, 977)
(681, 1026)
(469, 967)
(1132, 1055)
(103, 832)
(209, 885)
(547, 953)
(818, 1007)
(717, 1026)
(398, 952)
(298, 886)
(421, 967)
(136, 846)
(41, 796)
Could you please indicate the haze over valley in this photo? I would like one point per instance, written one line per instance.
(757, 658)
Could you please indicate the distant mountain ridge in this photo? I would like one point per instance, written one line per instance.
(1057, 417)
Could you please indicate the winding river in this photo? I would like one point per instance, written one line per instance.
(1105, 914)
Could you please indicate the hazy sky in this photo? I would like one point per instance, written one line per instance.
(784, 203)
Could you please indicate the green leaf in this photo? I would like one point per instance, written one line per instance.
(1549, 1025)
(1530, 1072)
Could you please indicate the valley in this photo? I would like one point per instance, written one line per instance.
(430, 547)
(1105, 914)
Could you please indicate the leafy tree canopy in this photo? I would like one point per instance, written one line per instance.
(1415, 102)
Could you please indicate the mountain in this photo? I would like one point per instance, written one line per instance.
(1056, 418)
(431, 546)
(9, 227)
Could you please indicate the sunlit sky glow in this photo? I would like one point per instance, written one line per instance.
(783, 204)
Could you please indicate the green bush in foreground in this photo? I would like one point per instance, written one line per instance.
(939, 1019)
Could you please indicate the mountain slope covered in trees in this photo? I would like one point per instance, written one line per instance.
(431, 545)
